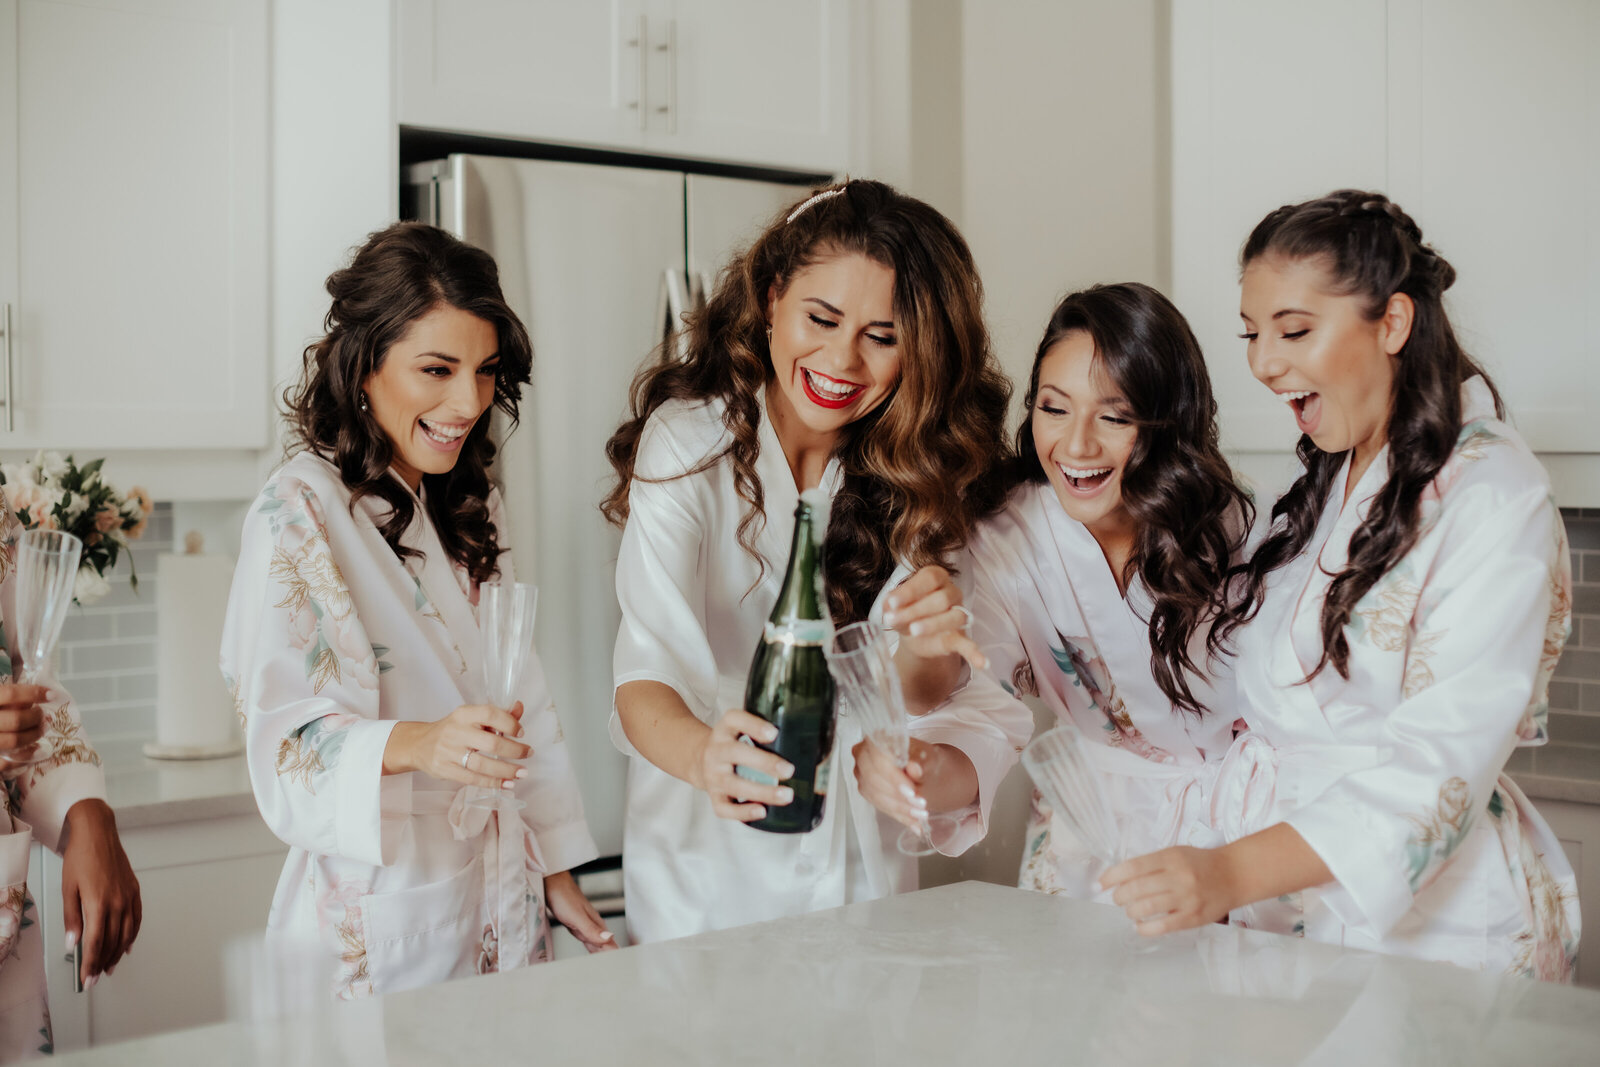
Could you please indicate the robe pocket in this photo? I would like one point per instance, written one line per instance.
(430, 933)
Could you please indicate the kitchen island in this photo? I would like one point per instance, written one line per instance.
(962, 974)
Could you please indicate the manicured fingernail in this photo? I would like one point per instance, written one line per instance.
(983, 663)
(90, 984)
(522, 772)
(921, 804)
(507, 784)
(770, 734)
(907, 792)
(786, 770)
(917, 628)
(785, 795)
(72, 940)
(889, 618)
(608, 936)
(760, 812)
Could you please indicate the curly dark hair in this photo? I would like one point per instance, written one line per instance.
(1368, 248)
(916, 467)
(1190, 515)
(399, 275)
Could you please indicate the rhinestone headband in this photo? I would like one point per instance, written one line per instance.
(824, 195)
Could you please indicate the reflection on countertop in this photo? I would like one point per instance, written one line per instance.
(962, 974)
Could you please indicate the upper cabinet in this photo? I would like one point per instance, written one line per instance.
(743, 81)
(1480, 118)
(133, 242)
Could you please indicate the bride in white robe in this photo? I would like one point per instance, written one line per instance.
(844, 372)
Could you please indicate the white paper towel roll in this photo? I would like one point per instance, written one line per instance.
(194, 710)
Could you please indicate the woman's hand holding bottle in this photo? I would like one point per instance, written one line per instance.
(734, 796)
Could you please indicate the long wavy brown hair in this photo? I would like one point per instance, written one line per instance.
(1190, 514)
(1368, 248)
(398, 276)
(916, 467)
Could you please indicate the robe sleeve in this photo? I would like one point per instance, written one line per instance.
(42, 793)
(554, 811)
(1476, 662)
(661, 585)
(983, 717)
(305, 681)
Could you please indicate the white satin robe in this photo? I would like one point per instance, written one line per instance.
(1048, 615)
(330, 640)
(33, 807)
(693, 606)
(1396, 777)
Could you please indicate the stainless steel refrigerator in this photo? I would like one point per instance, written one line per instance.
(599, 262)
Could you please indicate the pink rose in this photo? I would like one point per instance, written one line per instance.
(107, 519)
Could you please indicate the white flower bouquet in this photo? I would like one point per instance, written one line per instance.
(51, 492)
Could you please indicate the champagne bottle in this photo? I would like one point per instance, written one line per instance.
(789, 683)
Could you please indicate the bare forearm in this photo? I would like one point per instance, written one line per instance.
(399, 754)
(660, 725)
(1270, 863)
(927, 681)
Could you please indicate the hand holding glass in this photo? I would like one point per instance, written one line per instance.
(1070, 784)
(47, 568)
(506, 613)
(869, 691)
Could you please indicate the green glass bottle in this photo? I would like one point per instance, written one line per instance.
(789, 683)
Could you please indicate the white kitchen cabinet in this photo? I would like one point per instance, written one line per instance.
(1481, 118)
(204, 883)
(133, 196)
(745, 81)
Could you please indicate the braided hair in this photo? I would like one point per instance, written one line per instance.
(1371, 249)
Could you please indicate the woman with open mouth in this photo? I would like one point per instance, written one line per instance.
(844, 350)
(1407, 610)
(1096, 588)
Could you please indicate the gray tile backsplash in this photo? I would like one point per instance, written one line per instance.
(108, 649)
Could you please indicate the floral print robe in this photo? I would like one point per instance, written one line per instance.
(1396, 776)
(1048, 615)
(330, 640)
(33, 807)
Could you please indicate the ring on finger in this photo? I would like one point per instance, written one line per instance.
(464, 757)
(966, 616)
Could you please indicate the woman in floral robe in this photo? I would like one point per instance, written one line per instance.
(351, 636)
(1409, 606)
(1095, 587)
(60, 803)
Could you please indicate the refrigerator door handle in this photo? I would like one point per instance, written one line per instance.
(11, 389)
(671, 306)
(700, 289)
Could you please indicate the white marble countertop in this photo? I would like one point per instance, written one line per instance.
(151, 792)
(969, 974)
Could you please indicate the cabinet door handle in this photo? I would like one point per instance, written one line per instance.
(642, 43)
(670, 308)
(11, 390)
(671, 49)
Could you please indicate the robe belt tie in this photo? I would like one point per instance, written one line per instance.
(513, 867)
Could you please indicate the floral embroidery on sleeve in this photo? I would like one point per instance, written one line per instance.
(322, 619)
(307, 754)
(1439, 832)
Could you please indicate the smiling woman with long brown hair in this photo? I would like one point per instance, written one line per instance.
(355, 657)
(845, 349)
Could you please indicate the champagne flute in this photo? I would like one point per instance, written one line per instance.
(869, 689)
(506, 613)
(1059, 766)
(47, 567)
